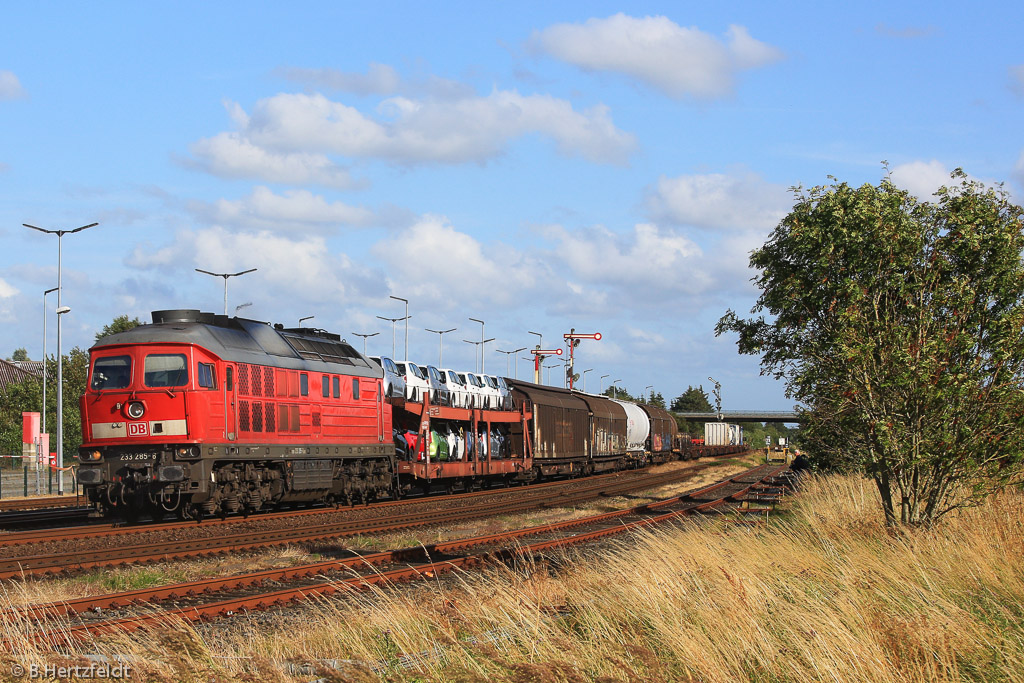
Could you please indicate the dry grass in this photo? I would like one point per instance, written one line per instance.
(825, 593)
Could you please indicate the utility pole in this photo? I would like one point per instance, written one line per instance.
(226, 276)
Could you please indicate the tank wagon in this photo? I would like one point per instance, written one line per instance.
(199, 414)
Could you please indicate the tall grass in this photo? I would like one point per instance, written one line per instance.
(824, 592)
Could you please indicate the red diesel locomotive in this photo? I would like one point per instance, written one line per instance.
(199, 413)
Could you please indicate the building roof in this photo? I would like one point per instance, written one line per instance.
(17, 371)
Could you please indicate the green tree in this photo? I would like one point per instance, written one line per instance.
(898, 324)
(19, 355)
(693, 400)
(27, 396)
(121, 323)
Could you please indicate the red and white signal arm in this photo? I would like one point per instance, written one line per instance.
(546, 352)
(596, 336)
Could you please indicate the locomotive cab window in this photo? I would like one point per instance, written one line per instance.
(111, 372)
(166, 370)
(205, 376)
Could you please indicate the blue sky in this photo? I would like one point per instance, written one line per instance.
(540, 166)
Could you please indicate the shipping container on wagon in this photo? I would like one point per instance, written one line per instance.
(716, 434)
(735, 435)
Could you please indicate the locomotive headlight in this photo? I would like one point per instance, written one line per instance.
(134, 409)
(91, 455)
(188, 452)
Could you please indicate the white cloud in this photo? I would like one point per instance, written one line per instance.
(10, 86)
(448, 268)
(655, 50)
(638, 264)
(6, 290)
(379, 79)
(288, 136)
(719, 202)
(289, 269)
(1017, 78)
(294, 210)
(921, 178)
(231, 155)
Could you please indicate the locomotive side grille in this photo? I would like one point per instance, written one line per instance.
(316, 419)
(269, 415)
(256, 380)
(243, 417)
(257, 416)
(243, 379)
(268, 381)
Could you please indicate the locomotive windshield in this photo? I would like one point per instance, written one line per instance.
(166, 370)
(111, 372)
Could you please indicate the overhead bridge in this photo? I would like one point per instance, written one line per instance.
(745, 416)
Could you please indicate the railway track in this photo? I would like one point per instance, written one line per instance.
(474, 505)
(90, 617)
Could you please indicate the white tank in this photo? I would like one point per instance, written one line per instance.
(638, 426)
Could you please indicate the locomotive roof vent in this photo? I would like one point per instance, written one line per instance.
(177, 315)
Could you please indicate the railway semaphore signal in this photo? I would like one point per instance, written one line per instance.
(573, 340)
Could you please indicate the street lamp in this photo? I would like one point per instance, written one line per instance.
(398, 298)
(615, 393)
(548, 368)
(649, 386)
(308, 317)
(226, 276)
(583, 375)
(440, 343)
(508, 357)
(365, 337)
(482, 342)
(43, 427)
(393, 321)
(601, 390)
(479, 344)
(61, 309)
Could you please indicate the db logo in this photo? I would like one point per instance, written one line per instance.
(138, 429)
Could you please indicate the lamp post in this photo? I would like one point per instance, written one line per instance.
(43, 426)
(508, 357)
(479, 344)
(393, 321)
(601, 390)
(548, 368)
(649, 386)
(308, 317)
(365, 337)
(398, 298)
(440, 343)
(482, 342)
(583, 376)
(226, 276)
(615, 392)
(61, 309)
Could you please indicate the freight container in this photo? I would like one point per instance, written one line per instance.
(716, 434)
(735, 435)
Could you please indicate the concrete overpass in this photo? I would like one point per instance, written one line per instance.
(745, 416)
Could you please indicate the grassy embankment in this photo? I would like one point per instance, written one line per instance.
(824, 592)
